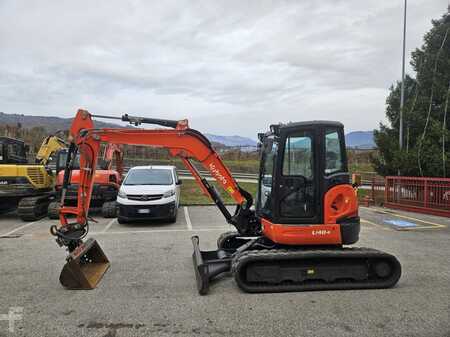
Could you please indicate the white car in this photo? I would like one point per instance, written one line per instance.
(149, 192)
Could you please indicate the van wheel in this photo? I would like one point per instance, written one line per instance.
(109, 209)
(121, 221)
(173, 219)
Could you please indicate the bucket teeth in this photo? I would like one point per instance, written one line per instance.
(85, 266)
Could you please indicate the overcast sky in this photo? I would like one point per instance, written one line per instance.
(230, 67)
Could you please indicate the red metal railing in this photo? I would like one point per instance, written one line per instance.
(425, 195)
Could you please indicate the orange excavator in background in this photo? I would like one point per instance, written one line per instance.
(293, 239)
(107, 180)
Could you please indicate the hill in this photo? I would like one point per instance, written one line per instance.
(232, 141)
(51, 124)
(357, 139)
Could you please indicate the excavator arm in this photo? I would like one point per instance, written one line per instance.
(49, 146)
(181, 141)
(114, 152)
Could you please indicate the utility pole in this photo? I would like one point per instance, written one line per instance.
(402, 90)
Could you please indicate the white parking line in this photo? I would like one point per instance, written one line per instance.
(162, 231)
(188, 219)
(19, 228)
(108, 226)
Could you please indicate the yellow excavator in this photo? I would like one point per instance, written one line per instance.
(27, 187)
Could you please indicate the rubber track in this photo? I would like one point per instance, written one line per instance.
(271, 255)
(33, 208)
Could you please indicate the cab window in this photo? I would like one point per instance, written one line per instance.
(333, 160)
(265, 189)
(14, 150)
(298, 156)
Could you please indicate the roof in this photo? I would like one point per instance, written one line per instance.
(311, 123)
(11, 140)
(156, 167)
(275, 128)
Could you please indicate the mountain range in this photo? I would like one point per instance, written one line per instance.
(360, 139)
(356, 139)
(50, 123)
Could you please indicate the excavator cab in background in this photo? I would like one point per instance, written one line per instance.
(27, 187)
(12, 151)
(294, 240)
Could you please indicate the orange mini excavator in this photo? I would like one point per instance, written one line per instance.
(292, 240)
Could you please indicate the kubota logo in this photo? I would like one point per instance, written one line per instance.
(321, 232)
(216, 173)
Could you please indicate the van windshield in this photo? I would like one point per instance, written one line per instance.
(149, 177)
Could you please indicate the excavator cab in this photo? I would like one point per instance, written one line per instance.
(12, 151)
(300, 163)
(307, 210)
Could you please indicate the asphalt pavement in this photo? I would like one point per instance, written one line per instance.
(150, 288)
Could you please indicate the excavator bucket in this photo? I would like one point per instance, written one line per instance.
(85, 267)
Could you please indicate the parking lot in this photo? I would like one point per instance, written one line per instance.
(150, 288)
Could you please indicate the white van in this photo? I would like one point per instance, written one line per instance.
(149, 192)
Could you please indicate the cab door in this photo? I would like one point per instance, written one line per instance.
(265, 200)
(297, 187)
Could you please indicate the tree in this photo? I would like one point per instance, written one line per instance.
(426, 150)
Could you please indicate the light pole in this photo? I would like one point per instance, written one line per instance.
(402, 89)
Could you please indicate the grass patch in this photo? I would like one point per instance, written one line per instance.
(191, 194)
(360, 167)
(362, 193)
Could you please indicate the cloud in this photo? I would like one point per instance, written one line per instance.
(230, 67)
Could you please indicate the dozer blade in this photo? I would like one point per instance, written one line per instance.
(85, 266)
(209, 264)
